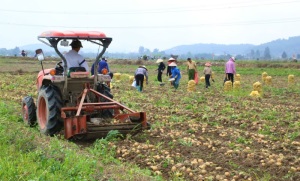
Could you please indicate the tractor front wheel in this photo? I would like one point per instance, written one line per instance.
(28, 111)
(49, 104)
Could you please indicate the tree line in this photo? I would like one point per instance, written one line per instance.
(146, 54)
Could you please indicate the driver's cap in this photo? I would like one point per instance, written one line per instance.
(76, 44)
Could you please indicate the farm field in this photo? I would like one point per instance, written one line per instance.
(208, 134)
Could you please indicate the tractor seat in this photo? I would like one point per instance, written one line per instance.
(76, 69)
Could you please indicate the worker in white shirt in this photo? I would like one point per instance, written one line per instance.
(74, 59)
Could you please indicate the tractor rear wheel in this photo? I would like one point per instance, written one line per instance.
(105, 90)
(49, 104)
(28, 111)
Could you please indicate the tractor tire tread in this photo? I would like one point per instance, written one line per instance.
(54, 121)
(31, 108)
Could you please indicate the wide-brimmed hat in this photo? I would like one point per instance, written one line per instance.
(76, 44)
(233, 59)
(143, 66)
(207, 64)
(171, 59)
(173, 64)
(159, 60)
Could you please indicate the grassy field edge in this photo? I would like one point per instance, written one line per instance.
(25, 154)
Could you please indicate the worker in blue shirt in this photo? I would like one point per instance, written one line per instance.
(175, 74)
(103, 68)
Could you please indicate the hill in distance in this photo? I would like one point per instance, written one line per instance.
(291, 46)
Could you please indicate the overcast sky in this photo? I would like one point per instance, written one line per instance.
(152, 24)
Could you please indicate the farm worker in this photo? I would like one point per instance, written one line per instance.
(230, 69)
(169, 73)
(191, 68)
(175, 74)
(160, 69)
(139, 75)
(73, 58)
(23, 53)
(207, 73)
(103, 68)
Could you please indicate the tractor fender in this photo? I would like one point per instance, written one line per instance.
(43, 78)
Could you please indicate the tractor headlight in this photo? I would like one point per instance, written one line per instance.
(52, 72)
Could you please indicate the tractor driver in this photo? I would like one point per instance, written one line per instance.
(73, 58)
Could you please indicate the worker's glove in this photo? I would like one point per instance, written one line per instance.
(213, 80)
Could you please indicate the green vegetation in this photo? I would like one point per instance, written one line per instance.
(27, 155)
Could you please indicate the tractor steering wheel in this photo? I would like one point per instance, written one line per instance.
(58, 65)
(59, 68)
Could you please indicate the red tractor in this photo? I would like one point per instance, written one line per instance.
(79, 104)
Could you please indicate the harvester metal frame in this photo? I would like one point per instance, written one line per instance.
(77, 124)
